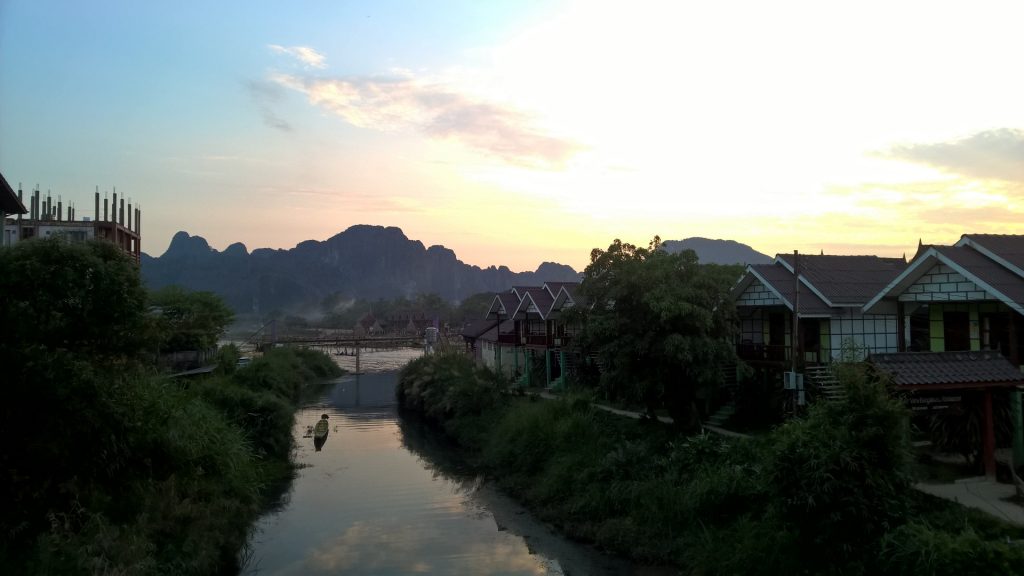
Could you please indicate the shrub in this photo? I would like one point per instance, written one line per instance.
(839, 478)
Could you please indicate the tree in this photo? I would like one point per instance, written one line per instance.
(72, 327)
(662, 324)
(82, 298)
(474, 307)
(189, 320)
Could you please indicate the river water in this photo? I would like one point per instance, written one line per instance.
(385, 497)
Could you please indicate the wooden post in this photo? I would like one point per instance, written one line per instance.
(1018, 427)
(901, 320)
(357, 358)
(988, 447)
(547, 366)
(794, 337)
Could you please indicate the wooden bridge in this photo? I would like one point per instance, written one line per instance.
(347, 345)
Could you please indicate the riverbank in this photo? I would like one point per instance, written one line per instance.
(831, 493)
(182, 470)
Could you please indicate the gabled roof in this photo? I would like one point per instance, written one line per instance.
(1005, 249)
(504, 303)
(844, 280)
(554, 288)
(9, 203)
(779, 280)
(973, 265)
(540, 298)
(948, 370)
(565, 298)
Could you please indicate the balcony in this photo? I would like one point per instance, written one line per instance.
(762, 352)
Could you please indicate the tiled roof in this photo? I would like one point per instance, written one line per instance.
(509, 300)
(988, 271)
(507, 327)
(9, 202)
(555, 287)
(847, 280)
(1009, 247)
(781, 280)
(540, 297)
(475, 328)
(920, 369)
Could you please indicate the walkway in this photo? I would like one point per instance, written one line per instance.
(980, 493)
(638, 415)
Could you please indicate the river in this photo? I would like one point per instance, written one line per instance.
(386, 497)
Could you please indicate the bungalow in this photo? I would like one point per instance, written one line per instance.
(966, 303)
(826, 294)
(528, 327)
(969, 296)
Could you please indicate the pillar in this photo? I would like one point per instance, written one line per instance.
(901, 327)
(561, 368)
(988, 442)
(529, 367)
(1018, 427)
(547, 366)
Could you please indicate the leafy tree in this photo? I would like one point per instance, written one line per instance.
(189, 320)
(661, 323)
(72, 328)
(474, 307)
(58, 296)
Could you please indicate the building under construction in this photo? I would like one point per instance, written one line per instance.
(112, 221)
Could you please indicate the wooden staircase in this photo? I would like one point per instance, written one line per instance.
(823, 381)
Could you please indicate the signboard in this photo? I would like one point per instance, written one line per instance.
(935, 402)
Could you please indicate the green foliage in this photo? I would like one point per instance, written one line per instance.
(188, 320)
(827, 494)
(919, 549)
(284, 371)
(226, 359)
(444, 385)
(82, 298)
(840, 477)
(662, 324)
(116, 471)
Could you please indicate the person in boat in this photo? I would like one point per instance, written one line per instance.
(320, 429)
(320, 433)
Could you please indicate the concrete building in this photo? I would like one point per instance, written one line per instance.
(117, 223)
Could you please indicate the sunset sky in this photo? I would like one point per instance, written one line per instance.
(519, 132)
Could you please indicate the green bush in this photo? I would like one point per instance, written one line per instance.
(918, 549)
(840, 477)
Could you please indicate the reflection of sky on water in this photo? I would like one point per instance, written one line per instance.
(377, 360)
(366, 505)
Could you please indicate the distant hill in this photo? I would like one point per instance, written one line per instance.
(718, 251)
(367, 262)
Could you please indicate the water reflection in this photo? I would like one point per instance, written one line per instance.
(366, 505)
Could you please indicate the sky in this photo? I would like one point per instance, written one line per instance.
(521, 132)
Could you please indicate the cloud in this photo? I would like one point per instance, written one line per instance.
(305, 54)
(992, 154)
(266, 95)
(437, 111)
